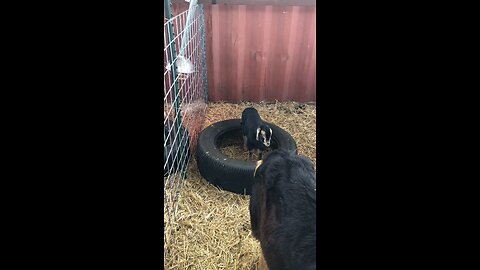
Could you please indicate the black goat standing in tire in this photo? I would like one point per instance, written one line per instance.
(283, 210)
(256, 134)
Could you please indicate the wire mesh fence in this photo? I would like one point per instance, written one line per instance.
(185, 95)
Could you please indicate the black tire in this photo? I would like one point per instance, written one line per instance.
(224, 172)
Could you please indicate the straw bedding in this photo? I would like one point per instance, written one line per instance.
(212, 228)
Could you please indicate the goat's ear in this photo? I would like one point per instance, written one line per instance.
(269, 182)
(258, 132)
(273, 177)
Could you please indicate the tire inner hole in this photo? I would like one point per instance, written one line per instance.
(230, 144)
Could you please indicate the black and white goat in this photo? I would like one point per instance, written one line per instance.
(283, 210)
(256, 133)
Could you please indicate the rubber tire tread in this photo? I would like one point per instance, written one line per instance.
(227, 173)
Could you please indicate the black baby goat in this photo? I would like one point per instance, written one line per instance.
(283, 210)
(256, 133)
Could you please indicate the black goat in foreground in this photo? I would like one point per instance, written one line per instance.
(283, 210)
(256, 134)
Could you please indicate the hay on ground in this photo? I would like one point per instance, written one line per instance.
(212, 226)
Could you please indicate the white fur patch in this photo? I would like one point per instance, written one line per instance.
(267, 142)
(258, 132)
(256, 167)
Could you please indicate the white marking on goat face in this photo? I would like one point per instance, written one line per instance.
(258, 132)
(265, 141)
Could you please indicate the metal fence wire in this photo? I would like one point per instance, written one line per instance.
(185, 96)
